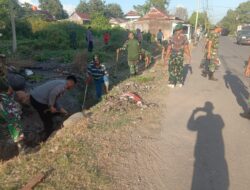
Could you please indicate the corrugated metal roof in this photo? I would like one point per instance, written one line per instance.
(83, 16)
(132, 13)
(156, 14)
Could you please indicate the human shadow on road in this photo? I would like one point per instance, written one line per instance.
(210, 166)
(238, 88)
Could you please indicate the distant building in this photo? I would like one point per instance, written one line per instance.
(117, 22)
(154, 20)
(132, 16)
(46, 14)
(80, 18)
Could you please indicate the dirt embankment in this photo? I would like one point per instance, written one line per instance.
(88, 152)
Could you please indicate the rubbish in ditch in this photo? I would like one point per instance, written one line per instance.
(28, 72)
(134, 97)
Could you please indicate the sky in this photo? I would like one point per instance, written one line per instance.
(217, 8)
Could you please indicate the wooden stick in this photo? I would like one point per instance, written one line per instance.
(117, 60)
(34, 181)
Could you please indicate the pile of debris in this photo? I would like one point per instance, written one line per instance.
(128, 98)
(135, 87)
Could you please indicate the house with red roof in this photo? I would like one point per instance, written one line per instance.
(80, 18)
(154, 20)
(132, 16)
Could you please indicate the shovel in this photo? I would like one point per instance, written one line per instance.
(117, 61)
(84, 99)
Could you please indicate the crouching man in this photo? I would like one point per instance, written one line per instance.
(44, 99)
(99, 74)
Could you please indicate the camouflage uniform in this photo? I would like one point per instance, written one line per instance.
(214, 37)
(133, 48)
(175, 65)
(10, 110)
(10, 116)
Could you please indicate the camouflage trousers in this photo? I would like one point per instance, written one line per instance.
(133, 67)
(175, 68)
(10, 116)
(210, 65)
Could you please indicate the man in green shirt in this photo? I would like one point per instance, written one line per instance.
(133, 47)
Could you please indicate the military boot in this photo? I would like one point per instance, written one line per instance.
(211, 76)
(204, 74)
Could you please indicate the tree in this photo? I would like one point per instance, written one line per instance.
(92, 6)
(182, 13)
(3, 13)
(201, 21)
(82, 7)
(99, 21)
(230, 21)
(96, 6)
(241, 15)
(13, 24)
(113, 10)
(54, 7)
(160, 4)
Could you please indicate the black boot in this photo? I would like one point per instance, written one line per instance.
(211, 76)
(245, 115)
(204, 74)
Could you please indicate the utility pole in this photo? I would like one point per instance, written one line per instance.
(13, 26)
(197, 15)
(206, 16)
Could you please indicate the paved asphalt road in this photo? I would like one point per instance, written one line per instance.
(205, 143)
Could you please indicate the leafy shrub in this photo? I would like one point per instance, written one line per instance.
(24, 51)
(99, 21)
(37, 23)
(68, 57)
(80, 61)
(23, 30)
(41, 57)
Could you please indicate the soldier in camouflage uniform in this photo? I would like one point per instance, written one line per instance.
(10, 115)
(178, 46)
(211, 53)
(10, 110)
(133, 47)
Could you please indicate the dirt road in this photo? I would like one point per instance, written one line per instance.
(202, 142)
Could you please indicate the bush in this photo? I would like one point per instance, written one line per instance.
(37, 23)
(100, 22)
(23, 30)
(24, 51)
(118, 38)
(57, 35)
